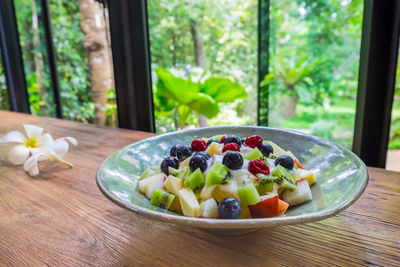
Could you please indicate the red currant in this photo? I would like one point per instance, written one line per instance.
(198, 145)
(253, 141)
(231, 147)
(258, 166)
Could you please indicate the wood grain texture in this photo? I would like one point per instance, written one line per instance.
(61, 218)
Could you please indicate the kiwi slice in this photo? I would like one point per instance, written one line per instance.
(217, 174)
(248, 194)
(161, 198)
(284, 178)
(195, 180)
(254, 154)
(181, 174)
(150, 171)
(265, 183)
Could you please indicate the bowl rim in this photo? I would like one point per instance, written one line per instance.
(238, 223)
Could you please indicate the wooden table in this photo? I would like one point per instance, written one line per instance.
(61, 218)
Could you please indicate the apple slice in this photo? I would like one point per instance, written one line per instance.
(298, 196)
(209, 209)
(267, 207)
(155, 179)
(190, 205)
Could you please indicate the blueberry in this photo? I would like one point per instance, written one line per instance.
(173, 150)
(233, 160)
(266, 149)
(213, 140)
(229, 208)
(233, 139)
(285, 161)
(204, 154)
(169, 162)
(198, 161)
(183, 152)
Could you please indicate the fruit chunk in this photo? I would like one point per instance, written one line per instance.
(211, 140)
(233, 160)
(285, 161)
(180, 173)
(195, 180)
(169, 162)
(206, 192)
(214, 149)
(266, 149)
(301, 195)
(233, 139)
(217, 174)
(284, 178)
(258, 166)
(185, 163)
(267, 207)
(229, 208)
(245, 213)
(278, 151)
(190, 205)
(254, 141)
(230, 147)
(254, 154)
(209, 209)
(155, 179)
(173, 184)
(198, 161)
(227, 190)
(176, 205)
(304, 174)
(161, 198)
(198, 145)
(248, 194)
(265, 183)
(183, 152)
(282, 207)
(150, 171)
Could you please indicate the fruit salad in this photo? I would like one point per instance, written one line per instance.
(228, 177)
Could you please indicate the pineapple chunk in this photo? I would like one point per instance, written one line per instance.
(227, 190)
(185, 163)
(244, 213)
(190, 205)
(304, 174)
(278, 151)
(214, 149)
(206, 192)
(173, 184)
(144, 184)
(176, 205)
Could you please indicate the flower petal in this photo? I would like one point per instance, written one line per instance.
(60, 147)
(45, 139)
(41, 149)
(31, 165)
(18, 154)
(33, 131)
(71, 140)
(13, 136)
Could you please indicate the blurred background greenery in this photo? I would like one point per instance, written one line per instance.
(210, 50)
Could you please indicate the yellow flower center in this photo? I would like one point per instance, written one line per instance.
(31, 143)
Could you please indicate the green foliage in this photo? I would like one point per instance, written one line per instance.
(3, 90)
(183, 96)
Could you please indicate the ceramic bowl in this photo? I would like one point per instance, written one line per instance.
(341, 177)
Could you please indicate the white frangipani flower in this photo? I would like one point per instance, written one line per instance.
(39, 146)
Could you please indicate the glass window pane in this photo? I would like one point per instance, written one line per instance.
(393, 155)
(83, 58)
(37, 73)
(198, 41)
(314, 59)
(3, 89)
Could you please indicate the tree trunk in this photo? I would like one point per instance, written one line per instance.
(98, 54)
(287, 106)
(198, 43)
